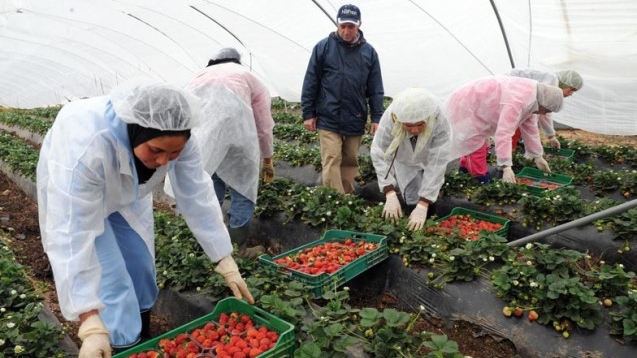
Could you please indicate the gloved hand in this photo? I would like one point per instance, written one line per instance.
(94, 336)
(227, 268)
(392, 209)
(554, 143)
(507, 175)
(417, 217)
(541, 164)
(267, 171)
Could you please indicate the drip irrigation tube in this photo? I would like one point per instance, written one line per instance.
(575, 223)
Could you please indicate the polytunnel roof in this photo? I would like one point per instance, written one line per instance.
(53, 52)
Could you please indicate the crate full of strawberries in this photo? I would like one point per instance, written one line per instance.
(329, 262)
(233, 329)
(469, 223)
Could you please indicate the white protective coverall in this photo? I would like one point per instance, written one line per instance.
(495, 107)
(418, 171)
(97, 221)
(236, 125)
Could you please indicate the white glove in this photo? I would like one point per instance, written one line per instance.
(230, 272)
(541, 164)
(554, 143)
(417, 217)
(392, 209)
(94, 336)
(507, 175)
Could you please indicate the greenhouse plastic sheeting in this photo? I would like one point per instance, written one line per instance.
(57, 51)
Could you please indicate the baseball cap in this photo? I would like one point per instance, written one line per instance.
(349, 14)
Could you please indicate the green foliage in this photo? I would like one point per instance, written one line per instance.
(497, 193)
(294, 132)
(298, 155)
(181, 262)
(624, 320)
(22, 333)
(552, 282)
(458, 184)
(19, 155)
(555, 207)
(387, 333)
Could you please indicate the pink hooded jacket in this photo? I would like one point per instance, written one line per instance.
(496, 107)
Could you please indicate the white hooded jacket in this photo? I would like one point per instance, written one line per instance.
(85, 173)
(399, 168)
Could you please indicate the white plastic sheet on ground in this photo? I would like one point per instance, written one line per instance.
(53, 52)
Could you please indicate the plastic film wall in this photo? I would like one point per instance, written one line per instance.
(58, 51)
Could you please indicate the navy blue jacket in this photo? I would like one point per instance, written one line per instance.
(340, 79)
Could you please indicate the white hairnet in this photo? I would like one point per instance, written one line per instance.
(227, 53)
(155, 105)
(410, 106)
(415, 105)
(570, 78)
(550, 97)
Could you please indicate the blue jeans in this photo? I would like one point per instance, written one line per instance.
(241, 208)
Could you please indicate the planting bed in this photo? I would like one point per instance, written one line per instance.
(469, 312)
(174, 309)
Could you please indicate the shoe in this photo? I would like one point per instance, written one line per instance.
(251, 252)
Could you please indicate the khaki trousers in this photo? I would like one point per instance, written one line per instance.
(339, 158)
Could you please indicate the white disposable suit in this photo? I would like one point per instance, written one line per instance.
(235, 130)
(417, 170)
(97, 221)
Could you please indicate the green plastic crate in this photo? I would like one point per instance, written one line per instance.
(538, 176)
(327, 282)
(563, 153)
(284, 347)
(504, 231)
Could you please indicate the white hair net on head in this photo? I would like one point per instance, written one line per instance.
(550, 97)
(570, 78)
(415, 105)
(410, 106)
(155, 105)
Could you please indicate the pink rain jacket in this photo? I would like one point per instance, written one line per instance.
(494, 107)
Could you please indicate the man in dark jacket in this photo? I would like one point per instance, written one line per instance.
(343, 74)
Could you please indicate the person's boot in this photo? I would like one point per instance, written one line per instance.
(239, 236)
(145, 333)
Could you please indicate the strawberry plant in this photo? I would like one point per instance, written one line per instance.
(22, 333)
(625, 224)
(609, 280)
(294, 132)
(608, 180)
(273, 197)
(624, 320)
(557, 206)
(458, 184)
(497, 193)
(19, 155)
(551, 282)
